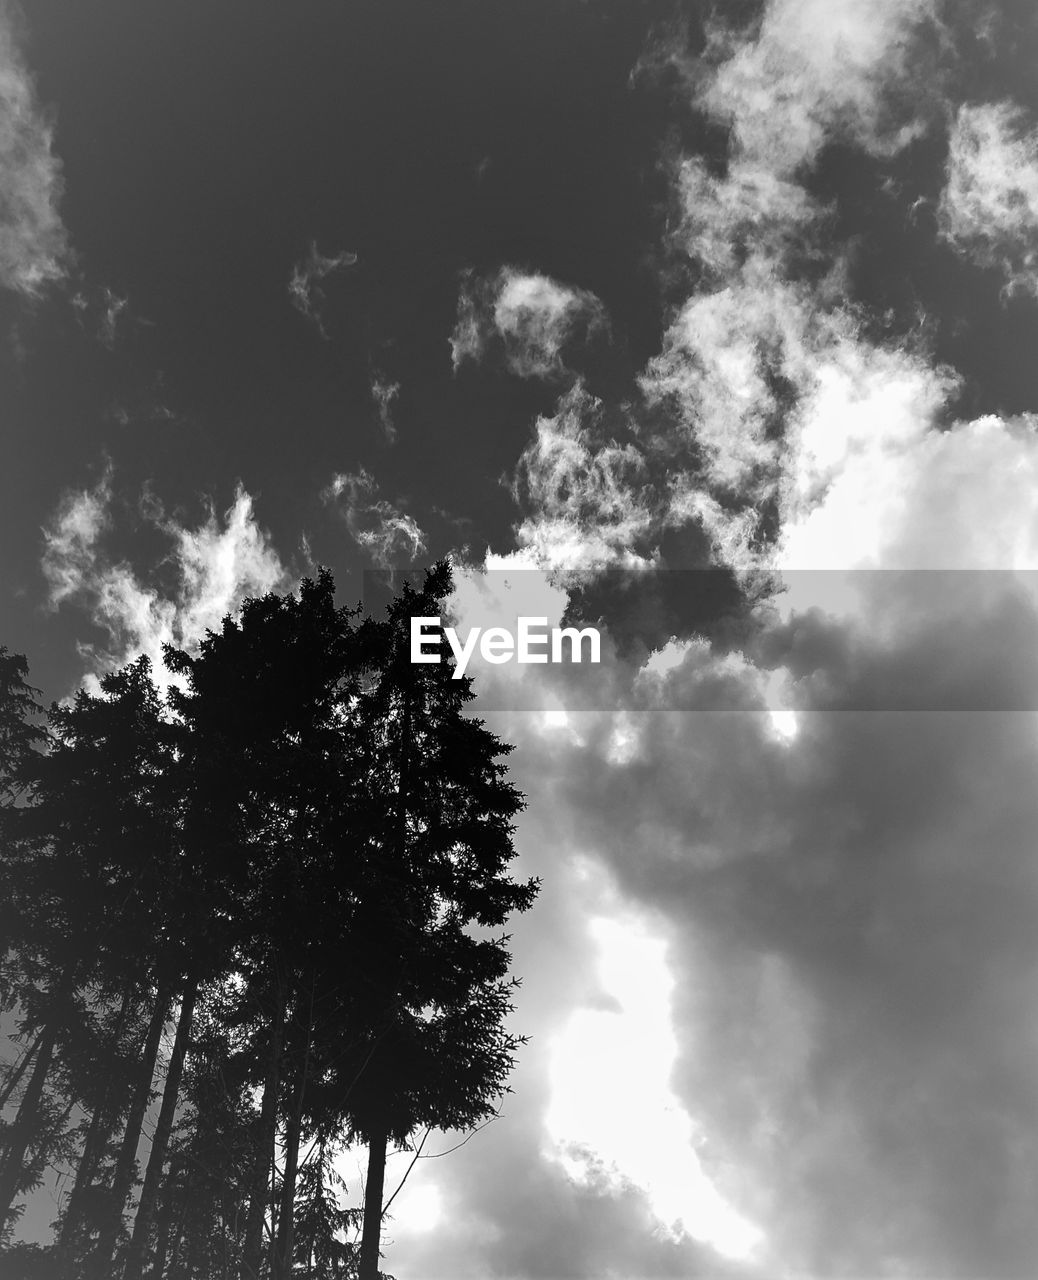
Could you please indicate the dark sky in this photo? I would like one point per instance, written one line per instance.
(204, 149)
(583, 285)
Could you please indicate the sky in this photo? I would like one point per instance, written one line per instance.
(713, 325)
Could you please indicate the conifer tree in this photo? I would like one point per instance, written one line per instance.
(434, 994)
(297, 869)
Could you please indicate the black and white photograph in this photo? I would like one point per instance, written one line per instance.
(519, 640)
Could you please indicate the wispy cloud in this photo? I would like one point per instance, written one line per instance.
(989, 206)
(34, 248)
(587, 499)
(304, 286)
(215, 566)
(532, 316)
(114, 306)
(71, 539)
(384, 392)
(386, 531)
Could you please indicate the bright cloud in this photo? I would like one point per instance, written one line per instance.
(989, 207)
(216, 566)
(815, 69)
(581, 490)
(627, 1052)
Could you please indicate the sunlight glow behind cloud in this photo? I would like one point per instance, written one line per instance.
(611, 1100)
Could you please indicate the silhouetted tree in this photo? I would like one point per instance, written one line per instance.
(83, 856)
(297, 868)
(433, 997)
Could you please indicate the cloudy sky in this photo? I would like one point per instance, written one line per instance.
(714, 324)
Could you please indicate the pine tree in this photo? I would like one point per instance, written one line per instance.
(434, 995)
(79, 850)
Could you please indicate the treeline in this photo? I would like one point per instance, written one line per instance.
(241, 927)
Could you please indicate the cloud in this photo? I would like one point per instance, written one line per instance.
(582, 490)
(376, 524)
(70, 541)
(847, 907)
(814, 70)
(849, 917)
(114, 307)
(304, 286)
(531, 315)
(384, 393)
(989, 206)
(33, 242)
(214, 568)
(765, 387)
(515, 1202)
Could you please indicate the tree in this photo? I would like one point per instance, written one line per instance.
(270, 710)
(87, 857)
(435, 997)
(301, 857)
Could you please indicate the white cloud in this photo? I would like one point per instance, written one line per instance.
(215, 567)
(384, 393)
(33, 241)
(375, 523)
(751, 362)
(469, 339)
(70, 541)
(989, 206)
(533, 316)
(581, 490)
(304, 284)
(815, 69)
(627, 1050)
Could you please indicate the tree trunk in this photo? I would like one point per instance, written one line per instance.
(18, 1071)
(142, 1223)
(286, 1218)
(102, 1121)
(20, 1133)
(85, 1170)
(371, 1236)
(165, 1221)
(285, 1243)
(252, 1249)
(126, 1162)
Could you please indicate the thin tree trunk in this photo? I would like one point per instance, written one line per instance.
(371, 1236)
(17, 1072)
(101, 1122)
(252, 1249)
(286, 1218)
(197, 1231)
(126, 1162)
(142, 1223)
(165, 1220)
(84, 1177)
(20, 1133)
